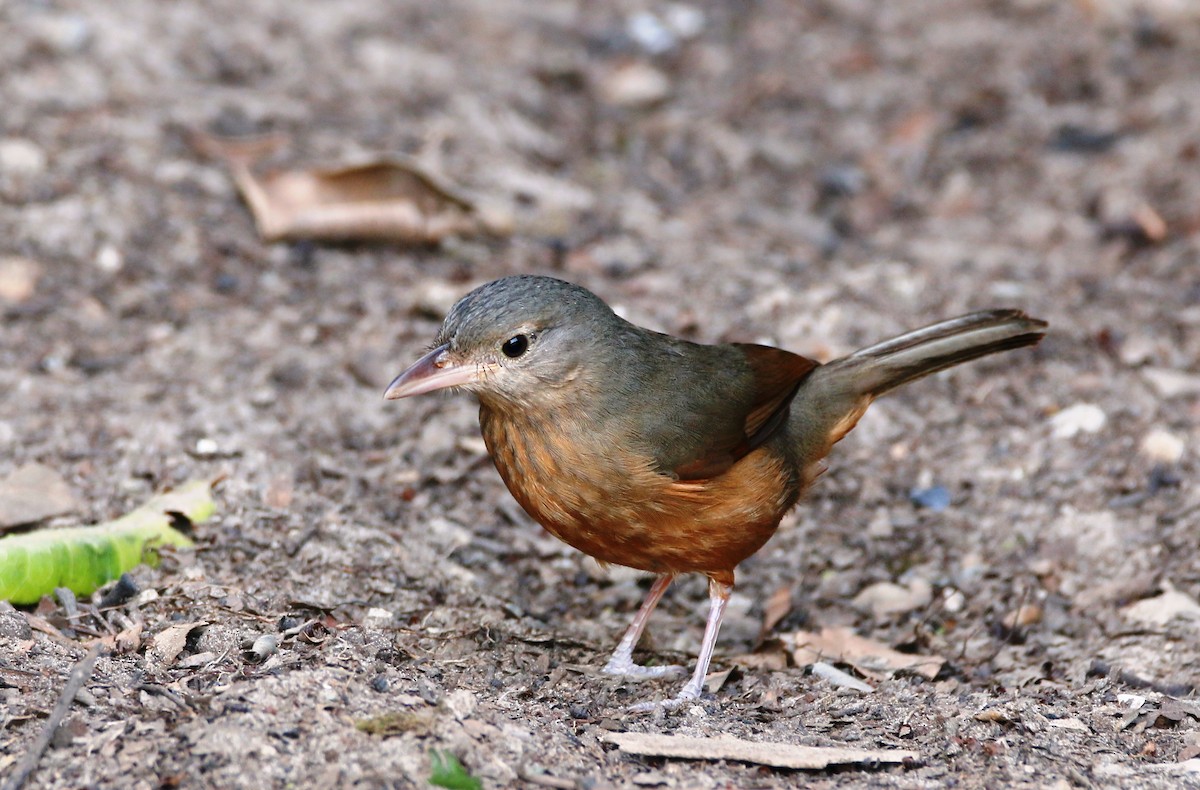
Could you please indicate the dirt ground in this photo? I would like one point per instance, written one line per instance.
(814, 175)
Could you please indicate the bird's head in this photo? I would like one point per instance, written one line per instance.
(512, 341)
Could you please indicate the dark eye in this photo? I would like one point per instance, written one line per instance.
(515, 346)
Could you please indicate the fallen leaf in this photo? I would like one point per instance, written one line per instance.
(871, 658)
(771, 753)
(715, 680)
(389, 199)
(31, 493)
(169, 643)
(771, 659)
(1163, 608)
(775, 609)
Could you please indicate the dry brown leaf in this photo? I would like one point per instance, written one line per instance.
(772, 659)
(776, 755)
(775, 609)
(1163, 608)
(871, 658)
(389, 199)
(33, 492)
(714, 681)
(167, 644)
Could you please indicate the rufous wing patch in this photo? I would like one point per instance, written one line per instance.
(777, 376)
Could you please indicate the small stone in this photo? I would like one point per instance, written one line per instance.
(21, 157)
(885, 598)
(953, 601)
(262, 648)
(1162, 447)
(13, 624)
(377, 617)
(1023, 617)
(935, 498)
(109, 259)
(207, 448)
(18, 279)
(461, 703)
(434, 298)
(635, 84)
(1172, 383)
(1080, 418)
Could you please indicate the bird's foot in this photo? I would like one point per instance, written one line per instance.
(624, 667)
(689, 693)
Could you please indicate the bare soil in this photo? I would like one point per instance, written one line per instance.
(814, 175)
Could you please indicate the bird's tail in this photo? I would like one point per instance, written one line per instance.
(836, 394)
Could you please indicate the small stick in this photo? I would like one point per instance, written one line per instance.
(79, 676)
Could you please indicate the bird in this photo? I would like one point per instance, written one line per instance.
(649, 451)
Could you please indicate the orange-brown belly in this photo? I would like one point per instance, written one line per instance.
(614, 506)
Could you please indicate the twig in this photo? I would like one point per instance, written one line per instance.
(79, 675)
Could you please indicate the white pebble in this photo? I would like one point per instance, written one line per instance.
(206, 447)
(1162, 447)
(22, 157)
(1080, 418)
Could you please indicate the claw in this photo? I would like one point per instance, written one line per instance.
(718, 594)
(623, 666)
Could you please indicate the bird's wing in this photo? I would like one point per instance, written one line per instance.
(743, 418)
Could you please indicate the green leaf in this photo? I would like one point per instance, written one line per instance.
(449, 772)
(84, 558)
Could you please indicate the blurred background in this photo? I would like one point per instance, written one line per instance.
(814, 175)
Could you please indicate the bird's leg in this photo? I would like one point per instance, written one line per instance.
(720, 587)
(621, 662)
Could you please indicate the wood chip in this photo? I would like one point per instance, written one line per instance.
(770, 753)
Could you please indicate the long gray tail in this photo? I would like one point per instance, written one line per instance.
(884, 366)
(835, 395)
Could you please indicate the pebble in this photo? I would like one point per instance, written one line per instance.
(1027, 615)
(262, 648)
(1172, 383)
(635, 85)
(18, 277)
(377, 617)
(935, 498)
(1162, 447)
(206, 448)
(1080, 418)
(885, 598)
(21, 157)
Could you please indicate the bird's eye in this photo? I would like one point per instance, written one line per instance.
(515, 346)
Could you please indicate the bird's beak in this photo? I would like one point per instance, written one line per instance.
(434, 371)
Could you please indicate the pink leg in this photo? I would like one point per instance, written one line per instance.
(718, 596)
(621, 662)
